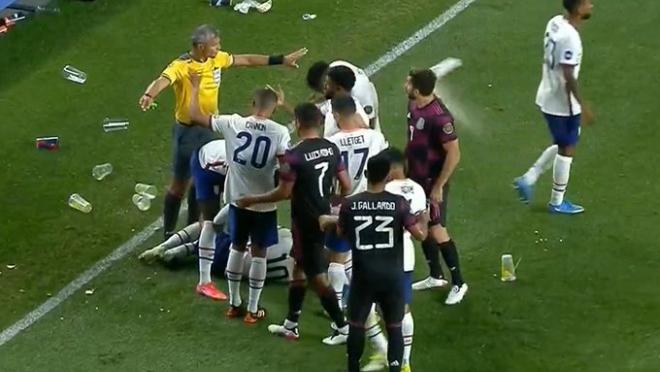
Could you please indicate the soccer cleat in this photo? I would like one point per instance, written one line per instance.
(456, 294)
(209, 290)
(151, 255)
(254, 318)
(429, 283)
(234, 312)
(524, 189)
(377, 362)
(221, 2)
(566, 207)
(291, 334)
(339, 336)
(406, 368)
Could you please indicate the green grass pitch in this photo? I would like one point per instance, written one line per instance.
(585, 300)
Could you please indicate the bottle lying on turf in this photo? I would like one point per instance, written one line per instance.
(73, 74)
(146, 190)
(508, 268)
(101, 171)
(142, 202)
(78, 202)
(112, 125)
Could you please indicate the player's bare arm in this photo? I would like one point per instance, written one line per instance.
(281, 192)
(451, 162)
(289, 60)
(196, 115)
(572, 88)
(152, 91)
(328, 222)
(281, 99)
(344, 183)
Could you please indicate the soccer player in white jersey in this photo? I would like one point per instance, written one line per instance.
(255, 145)
(561, 105)
(363, 90)
(339, 81)
(356, 144)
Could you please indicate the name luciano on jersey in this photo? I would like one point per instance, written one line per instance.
(320, 153)
(373, 205)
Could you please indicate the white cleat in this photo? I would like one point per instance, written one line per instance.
(456, 294)
(150, 255)
(338, 337)
(377, 362)
(429, 283)
(282, 331)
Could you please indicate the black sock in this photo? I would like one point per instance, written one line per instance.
(170, 213)
(193, 206)
(430, 248)
(330, 304)
(297, 291)
(355, 347)
(450, 254)
(394, 348)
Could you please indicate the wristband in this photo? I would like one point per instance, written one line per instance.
(148, 95)
(276, 59)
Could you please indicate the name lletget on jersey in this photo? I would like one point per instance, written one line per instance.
(349, 141)
(373, 205)
(309, 156)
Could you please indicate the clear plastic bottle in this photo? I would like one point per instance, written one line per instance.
(147, 190)
(114, 124)
(79, 203)
(101, 171)
(142, 202)
(508, 269)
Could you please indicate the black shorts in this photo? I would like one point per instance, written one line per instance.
(186, 139)
(438, 212)
(387, 293)
(308, 242)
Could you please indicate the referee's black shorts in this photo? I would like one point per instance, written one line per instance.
(387, 293)
(187, 139)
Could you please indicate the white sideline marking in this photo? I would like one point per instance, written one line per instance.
(130, 245)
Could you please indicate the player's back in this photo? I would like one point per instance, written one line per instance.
(212, 156)
(356, 148)
(374, 224)
(416, 198)
(253, 146)
(315, 163)
(562, 45)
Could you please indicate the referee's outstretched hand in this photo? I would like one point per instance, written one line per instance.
(291, 59)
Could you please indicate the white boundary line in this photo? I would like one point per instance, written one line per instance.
(130, 245)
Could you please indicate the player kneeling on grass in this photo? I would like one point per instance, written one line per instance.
(182, 245)
(307, 177)
(374, 222)
(255, 145)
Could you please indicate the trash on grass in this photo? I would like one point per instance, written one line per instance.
(73, 74)
(90, 291)
(308, 17)
(79, 203)
(48, 143)
(114, 124)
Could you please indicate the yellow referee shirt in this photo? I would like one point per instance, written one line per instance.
(178, 73)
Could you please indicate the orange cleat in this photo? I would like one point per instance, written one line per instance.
(235, 312)
(209, 290)
(254, 318)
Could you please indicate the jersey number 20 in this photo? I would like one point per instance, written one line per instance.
(259, 152)
(384, 228)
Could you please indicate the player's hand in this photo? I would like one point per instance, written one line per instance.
(145, 102)
(195, 79)
(588, 116)
(326, 221)
(244, 202)
(291, 59)
(436, 195)
(279, 93)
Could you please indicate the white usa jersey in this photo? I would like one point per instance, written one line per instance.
(416, 197)
(364, 90)
(213, 156)
(253, 146)
(330, 125)
(356, 148)
(562, 46)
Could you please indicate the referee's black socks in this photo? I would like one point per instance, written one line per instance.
(432, 254)
(450, 255)
(170, 213)
(395, 347)
(355, 345)
(330, 304)
(297, 291)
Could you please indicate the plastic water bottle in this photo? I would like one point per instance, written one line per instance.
(113, 125)
(78, 202)
(508, 268)
(142, 202)
(101, 171)
(73, 74)
(146, 190)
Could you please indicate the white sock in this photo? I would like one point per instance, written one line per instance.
(408, 329)
(206, 252)
(543, 163)
(375, 333)
(337, 277)
(234, 273)
(183, 236)
(560, 175)
(257, 279)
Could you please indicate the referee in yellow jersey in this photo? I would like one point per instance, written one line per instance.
(205, 59)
